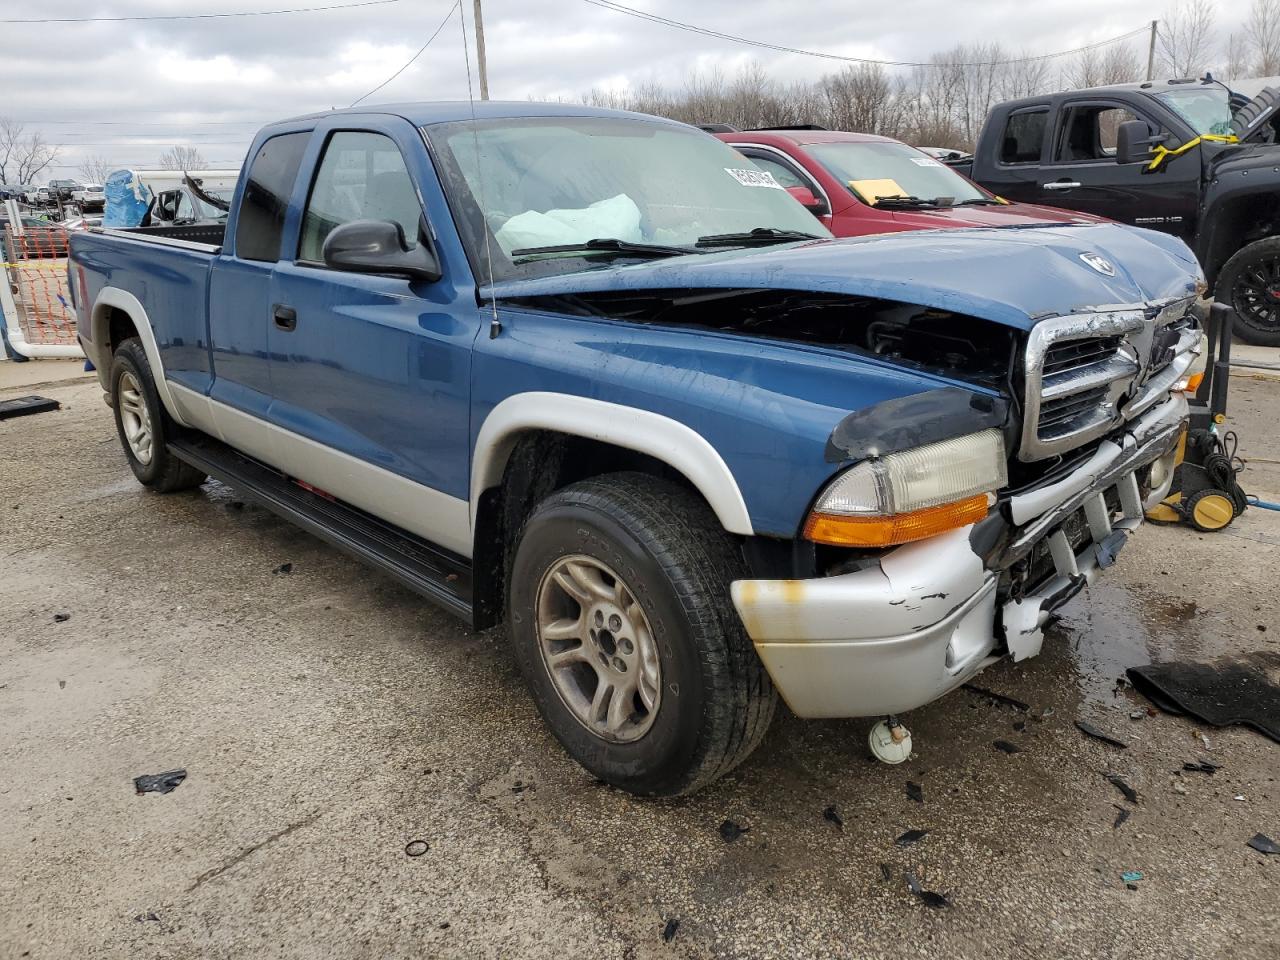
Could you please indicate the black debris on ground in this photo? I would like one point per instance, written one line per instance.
(284, 568)
(886, 871)
(416, 848)
(1090, 730)
(144, 917)
(62, 684)
(165, 782)
(832, 815)
(915, 792)
(1201, 766)
(1263, 844)
(938, 901)
(25, 406)
(61, 617)
(520, 786)
(731, 831)
(910, 837)
(996, 697)
(1121, 817)
(1020, 725)
(1004, 746)
(445, 925)
(1118, 782)
(669, 931)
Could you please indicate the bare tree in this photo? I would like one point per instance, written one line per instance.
(1239, 54)
(1024, 77)
(23, 156)
(1120, 64)
(1084, 70)
(1262, 31)
(182, 157)
(1185, 38)
(95, 167)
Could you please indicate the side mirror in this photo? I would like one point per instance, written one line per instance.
(378, 246)
(1133, 141)
(808, 200)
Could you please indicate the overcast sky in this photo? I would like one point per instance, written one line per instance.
(210, 83)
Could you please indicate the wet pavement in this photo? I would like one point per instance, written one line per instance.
(332, 725)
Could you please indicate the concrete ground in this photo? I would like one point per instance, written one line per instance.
(327, 719)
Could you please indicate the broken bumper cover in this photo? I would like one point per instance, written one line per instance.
(926, 617)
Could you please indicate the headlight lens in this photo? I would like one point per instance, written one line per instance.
(911, 494)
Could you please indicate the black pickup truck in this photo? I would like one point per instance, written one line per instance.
(1188, 157)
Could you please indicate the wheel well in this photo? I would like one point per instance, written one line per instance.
(1239, 223)
(119, 327)
(541, 462)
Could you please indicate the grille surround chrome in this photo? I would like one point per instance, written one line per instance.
(1120, 385)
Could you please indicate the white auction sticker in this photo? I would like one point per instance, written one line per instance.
(753, 178)
(925, 162)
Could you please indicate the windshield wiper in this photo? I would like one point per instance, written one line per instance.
(906, 200)
(607, 245)
(761, 235)
(980, 202)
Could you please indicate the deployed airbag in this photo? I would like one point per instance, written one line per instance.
(615, 218)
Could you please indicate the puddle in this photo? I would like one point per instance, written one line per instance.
(1111, 627)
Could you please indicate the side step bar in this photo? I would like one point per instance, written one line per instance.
(437, 574)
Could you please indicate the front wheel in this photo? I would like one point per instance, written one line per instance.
(621, 622)
(1250, 283)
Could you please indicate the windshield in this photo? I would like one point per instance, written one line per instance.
(207, 211)
(877, 169)
(560, 181)
(1207, 109)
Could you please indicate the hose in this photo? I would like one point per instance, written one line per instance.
(1222, 465)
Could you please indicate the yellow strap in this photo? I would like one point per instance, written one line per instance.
(38, 264)
(1164, 153)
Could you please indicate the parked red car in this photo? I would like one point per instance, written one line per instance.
(858, 184)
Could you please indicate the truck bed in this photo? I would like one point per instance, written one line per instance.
(203, 234)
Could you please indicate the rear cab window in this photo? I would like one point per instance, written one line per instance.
(1024, 135)
(268, 185)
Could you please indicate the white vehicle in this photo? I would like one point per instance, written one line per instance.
(88, 196)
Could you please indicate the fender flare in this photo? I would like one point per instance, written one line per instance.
(126, 302)
(660, 437)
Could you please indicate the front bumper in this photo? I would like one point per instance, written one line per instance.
(928, 616)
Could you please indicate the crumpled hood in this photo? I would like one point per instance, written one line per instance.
(1011, 276)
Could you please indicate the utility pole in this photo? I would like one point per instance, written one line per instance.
(1151, 51)
(480, 60)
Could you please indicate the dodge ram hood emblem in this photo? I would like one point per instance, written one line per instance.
(1099, 263)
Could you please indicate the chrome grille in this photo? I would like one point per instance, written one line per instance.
(1087, 373)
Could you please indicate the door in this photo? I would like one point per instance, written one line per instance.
(1082, 174)
(240, 282)
(375, 368)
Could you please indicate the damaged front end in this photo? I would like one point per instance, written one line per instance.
(1092, 412)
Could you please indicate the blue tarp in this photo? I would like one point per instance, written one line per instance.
(127, 198)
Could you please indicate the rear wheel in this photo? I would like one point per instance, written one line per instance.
(143, 425)
(621, 622)
(1250, 283)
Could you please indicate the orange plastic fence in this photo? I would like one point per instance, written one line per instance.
(36, 263)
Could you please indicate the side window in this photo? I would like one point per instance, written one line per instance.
(362, 176)
(781, 171)
(1024, 136)
(1089, 132)
(266, 196)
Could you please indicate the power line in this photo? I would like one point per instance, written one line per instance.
(130, 123)
(202, 16)
(413, 58)
(707, 32)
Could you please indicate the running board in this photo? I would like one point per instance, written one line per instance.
(435, 573)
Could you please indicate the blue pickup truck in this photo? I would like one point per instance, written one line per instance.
(595, 375)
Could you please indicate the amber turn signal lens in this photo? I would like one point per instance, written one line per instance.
(839, 531)
(1194, 381)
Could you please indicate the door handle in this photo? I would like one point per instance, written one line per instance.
(286, 318)
(1061, 185)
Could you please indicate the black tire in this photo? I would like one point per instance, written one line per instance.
(716, 698)
(1250, 283)
(164, 473)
